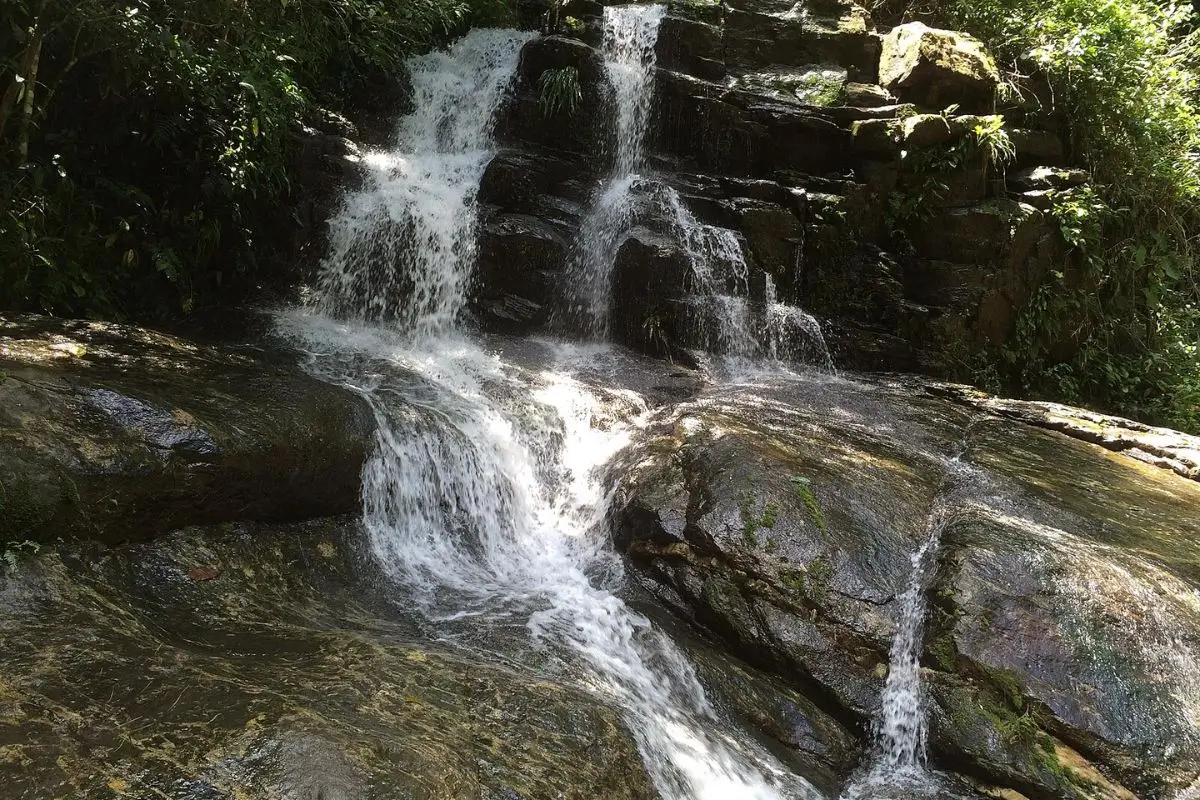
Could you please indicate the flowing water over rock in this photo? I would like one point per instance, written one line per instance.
(403, 248)
(900, 753)
(484, 499)
(746, 338)
(985, 598)
(630, 33)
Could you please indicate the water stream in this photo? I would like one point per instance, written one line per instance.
(899, 756)
(630, 34)
(745, 338)
(484, 498)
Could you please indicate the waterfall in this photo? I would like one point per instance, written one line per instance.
(403, 247)
(899, 755)
(794, 335)
(630, 34)
(747, 340)
(484, 497)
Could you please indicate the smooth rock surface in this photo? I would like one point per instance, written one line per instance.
(115, 432)
(257, 662)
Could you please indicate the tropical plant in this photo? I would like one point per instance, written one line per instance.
(559, 91)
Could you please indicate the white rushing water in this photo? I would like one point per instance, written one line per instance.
(899, 757)
(748, 340)
(484, 498)
(403, 247)
(630, 34)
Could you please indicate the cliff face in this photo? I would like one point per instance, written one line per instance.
(872, 175)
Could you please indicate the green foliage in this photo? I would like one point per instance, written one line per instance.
(559, 91)
(143, 141)
(1122, 329)
(980, 142)
(13, 553)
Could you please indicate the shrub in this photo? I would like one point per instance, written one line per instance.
(1125, 74)
(143, 142)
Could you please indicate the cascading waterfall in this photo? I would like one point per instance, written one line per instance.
(794, 335)
(630, 34)
(902, 728)
(484, 499)
(728, 324)
(899, 755)
(403, 247)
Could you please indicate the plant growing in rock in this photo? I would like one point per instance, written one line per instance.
(804, 492)
(15, 551)
(559, 91)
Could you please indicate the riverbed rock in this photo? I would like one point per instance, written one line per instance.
(116, 432)
(256, 662)
(1063, 619)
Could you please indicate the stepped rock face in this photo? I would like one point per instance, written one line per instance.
(826, 146)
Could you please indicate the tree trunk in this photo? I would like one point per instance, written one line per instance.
(26, 72)
(30, 91)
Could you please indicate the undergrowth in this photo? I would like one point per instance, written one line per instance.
(143, 142)
(1119, 325)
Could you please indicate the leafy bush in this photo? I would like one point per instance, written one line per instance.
(144, 143)
(1122, 328)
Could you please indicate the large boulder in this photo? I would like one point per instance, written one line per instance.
(937, 68)
(1061, 631)
(116, 432)
(530, 120)
(521, 261)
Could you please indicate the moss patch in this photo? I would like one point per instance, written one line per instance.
(20, 513)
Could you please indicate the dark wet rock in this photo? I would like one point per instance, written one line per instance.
(281, 677)
(528, 120)
(117, 433)
(650, 276)
(1059, 654)
(521, 259)
(693, 47)
(756, 41)
(772, 234)
(1035, 147)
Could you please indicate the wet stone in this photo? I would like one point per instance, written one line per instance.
(117, 432)
(1060, 640)
(280, 677)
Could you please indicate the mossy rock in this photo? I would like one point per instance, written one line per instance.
(937, 68)
(250, 661)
